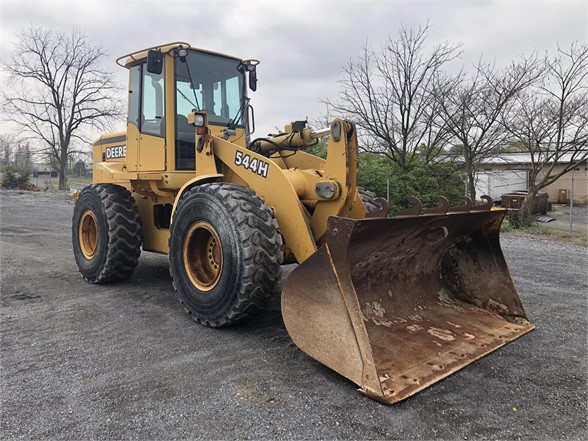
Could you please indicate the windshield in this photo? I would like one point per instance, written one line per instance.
(211, 84)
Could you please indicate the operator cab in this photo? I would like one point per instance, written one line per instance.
(177, 80)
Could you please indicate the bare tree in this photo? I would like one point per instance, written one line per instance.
(390, 95)
(474, 111)
(77, 158)
(56, 90)
(23, 157)
(8, 145)
(79, 168)
(551, 121)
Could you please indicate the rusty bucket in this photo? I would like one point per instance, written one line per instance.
(397, 304)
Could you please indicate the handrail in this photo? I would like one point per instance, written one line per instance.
(183, 43)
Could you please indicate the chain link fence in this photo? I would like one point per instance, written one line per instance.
(561, 206)
(568, 197)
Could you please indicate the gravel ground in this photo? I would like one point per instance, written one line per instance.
(124, 361)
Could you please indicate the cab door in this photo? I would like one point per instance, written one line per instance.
(134, 117)
(152, 141)
(146, 121)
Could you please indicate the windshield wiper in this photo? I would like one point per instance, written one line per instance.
(233, 121)
(188, 99)
(191, 87)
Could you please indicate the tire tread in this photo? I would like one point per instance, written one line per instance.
(261, 241)
(369, 200)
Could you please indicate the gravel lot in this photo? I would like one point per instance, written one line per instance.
(124, 361)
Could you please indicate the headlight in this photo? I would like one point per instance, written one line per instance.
(198, 120)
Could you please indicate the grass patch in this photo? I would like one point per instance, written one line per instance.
(44, 183)
(547, 233)
(81, 181)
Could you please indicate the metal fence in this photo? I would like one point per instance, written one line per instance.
(566, 199)
(568, 208)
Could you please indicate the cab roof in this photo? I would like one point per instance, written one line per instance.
(139, 55)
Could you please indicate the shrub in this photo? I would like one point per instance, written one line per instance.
(15, 178)
(425, 181)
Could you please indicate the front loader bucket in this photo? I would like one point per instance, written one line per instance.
(397, 304)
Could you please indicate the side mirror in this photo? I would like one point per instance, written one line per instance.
(253, 79)
(154, 62)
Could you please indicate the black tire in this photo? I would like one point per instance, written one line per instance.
(237, 279)
(106, 233)
(369, 200)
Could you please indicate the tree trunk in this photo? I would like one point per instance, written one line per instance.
(525, 213)
(472, 185)
(62, 169)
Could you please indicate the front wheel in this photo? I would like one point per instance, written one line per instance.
(224, 254)
(373, 205)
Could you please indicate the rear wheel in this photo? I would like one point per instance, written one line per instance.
(106, 233)
(224, 254)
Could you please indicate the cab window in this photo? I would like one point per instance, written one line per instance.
(134, 116)
(153, 104)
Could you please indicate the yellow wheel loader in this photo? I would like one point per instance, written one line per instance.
(393, 304)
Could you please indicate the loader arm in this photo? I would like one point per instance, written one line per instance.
(268, 180)
(302, 199)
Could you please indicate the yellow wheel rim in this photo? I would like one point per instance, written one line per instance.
(88, 234)
(203, 255)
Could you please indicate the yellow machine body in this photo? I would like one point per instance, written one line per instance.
(393, 304)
